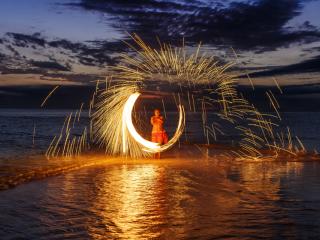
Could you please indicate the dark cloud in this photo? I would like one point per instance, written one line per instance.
(93, 53)
(258, 24)
(2, 57)
(307, 66)
(22, 40)
(50, 65)
(80, 78)
(21, 70)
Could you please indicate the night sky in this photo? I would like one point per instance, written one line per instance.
(44, 43)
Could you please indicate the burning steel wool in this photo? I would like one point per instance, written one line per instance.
(112, 107)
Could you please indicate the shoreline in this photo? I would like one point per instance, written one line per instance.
(39, 167)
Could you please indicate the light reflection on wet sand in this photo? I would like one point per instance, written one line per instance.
(170, 199)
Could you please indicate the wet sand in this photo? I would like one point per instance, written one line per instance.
(21, 170)
(13, 173)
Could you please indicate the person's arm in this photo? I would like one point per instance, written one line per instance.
(152, 120)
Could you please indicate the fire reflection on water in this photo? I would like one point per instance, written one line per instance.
(127, 198)
(172, 199)
(152, 201)
(265, 178)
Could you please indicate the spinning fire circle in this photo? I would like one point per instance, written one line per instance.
(147, 146)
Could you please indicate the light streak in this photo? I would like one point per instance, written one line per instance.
(128, 127)
(49, 95)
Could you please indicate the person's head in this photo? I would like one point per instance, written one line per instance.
(157, 112)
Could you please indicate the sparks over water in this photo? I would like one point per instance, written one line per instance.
(189, 72)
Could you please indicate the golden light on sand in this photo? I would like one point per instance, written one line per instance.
(128, 128)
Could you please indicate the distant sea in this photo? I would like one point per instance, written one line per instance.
(28, 132)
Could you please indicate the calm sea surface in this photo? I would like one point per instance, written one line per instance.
(17, 127)
(175, 198)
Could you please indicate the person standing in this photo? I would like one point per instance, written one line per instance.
(158, 134)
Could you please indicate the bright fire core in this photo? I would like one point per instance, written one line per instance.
(147, 146)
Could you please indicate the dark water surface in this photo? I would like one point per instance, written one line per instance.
(165, 201)
(176, 198)
(17, 127)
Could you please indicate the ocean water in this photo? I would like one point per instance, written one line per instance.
(17, 128)
(165, 200)
(185, 195)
